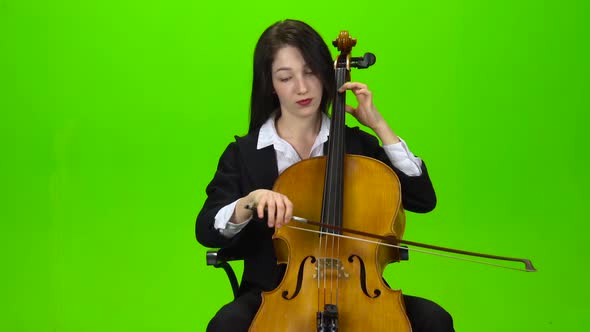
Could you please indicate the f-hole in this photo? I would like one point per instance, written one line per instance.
(363, 278)
(285, 294)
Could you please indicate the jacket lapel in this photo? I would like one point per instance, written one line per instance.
(261, 165)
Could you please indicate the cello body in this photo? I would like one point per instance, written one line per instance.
(333, 282)
(338, 271)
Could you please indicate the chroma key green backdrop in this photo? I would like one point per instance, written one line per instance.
(113, 115)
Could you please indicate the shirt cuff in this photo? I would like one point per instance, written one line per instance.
(222, 219)
(403, 159)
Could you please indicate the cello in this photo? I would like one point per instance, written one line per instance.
(334, 283)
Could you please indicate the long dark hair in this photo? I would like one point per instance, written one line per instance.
(315, 53)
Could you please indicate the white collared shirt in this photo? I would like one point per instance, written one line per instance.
(399, 154)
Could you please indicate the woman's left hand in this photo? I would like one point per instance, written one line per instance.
(366, 112)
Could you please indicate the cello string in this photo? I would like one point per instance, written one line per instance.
(428, 252)
(325, 261)
(337, 262)
(320, 277)
(332, 261)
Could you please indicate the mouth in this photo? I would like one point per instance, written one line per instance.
(304, 102)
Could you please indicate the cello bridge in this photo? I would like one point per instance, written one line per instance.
(328, 267)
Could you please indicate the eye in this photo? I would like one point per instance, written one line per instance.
(284, 79)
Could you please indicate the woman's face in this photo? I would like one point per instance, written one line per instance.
(299, 90)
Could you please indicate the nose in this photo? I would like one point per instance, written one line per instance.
(301, 86)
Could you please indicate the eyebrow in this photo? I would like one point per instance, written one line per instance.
(282, 68)
(305, 67)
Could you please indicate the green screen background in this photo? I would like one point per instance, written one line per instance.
(113, 115)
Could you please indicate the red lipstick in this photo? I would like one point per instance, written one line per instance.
(304, 102)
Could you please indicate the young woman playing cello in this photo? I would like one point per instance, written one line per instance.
(293, 87)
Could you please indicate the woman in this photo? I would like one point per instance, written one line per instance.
(292, 89)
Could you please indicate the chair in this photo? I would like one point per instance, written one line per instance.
(219, 259)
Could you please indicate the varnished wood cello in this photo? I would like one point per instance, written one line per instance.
(334, 283)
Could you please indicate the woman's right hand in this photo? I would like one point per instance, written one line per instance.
(278, 207)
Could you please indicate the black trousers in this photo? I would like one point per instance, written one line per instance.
(236, 316)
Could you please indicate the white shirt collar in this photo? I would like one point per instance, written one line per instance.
(268, 135)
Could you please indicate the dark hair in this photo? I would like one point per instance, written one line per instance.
(315, 53)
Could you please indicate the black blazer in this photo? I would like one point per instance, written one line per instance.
(242, 168)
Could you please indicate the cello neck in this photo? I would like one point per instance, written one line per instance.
(334, 179)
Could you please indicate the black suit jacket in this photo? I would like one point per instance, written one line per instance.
(242, 168)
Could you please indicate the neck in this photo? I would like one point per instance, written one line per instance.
(298, 128)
